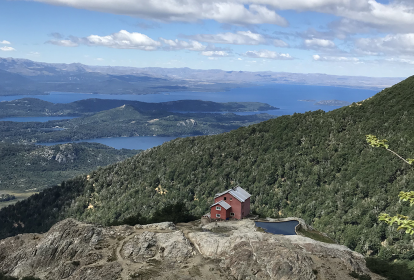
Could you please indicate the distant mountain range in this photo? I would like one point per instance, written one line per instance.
(316, 166)
(23, 76)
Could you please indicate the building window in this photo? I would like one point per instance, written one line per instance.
(218, 208)
(224, 198)
(231, 198)
(232, 214)
(217, 215)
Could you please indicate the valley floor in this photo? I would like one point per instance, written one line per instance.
(20, 195)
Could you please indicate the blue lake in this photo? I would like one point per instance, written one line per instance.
(35, 119)
(285, 228)
(137, 143)
(286, 97)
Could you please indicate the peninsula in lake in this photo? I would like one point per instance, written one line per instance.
(32, 107)
(133, 118)
(333, 103)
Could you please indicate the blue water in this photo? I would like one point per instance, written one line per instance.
(137, 143)
(35, 119)
(285, 97)
(285, 228)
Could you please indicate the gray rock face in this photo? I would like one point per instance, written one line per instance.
(169, 246)
(250, 254)
(229, 250)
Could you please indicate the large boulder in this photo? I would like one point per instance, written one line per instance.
(227, 250)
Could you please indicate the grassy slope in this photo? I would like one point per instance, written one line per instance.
(315, 165)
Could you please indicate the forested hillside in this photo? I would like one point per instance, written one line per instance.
(125, 121)
(35, 167)
(33, 107)
(316, 166)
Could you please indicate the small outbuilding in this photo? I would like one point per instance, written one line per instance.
(233, 203)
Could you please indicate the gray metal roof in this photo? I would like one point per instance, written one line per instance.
(239, 193)
(223, 204)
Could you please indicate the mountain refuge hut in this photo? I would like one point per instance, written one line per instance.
(233, 203)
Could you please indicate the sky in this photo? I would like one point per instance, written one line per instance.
(340, 37)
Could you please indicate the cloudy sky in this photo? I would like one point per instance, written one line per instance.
(343, 37)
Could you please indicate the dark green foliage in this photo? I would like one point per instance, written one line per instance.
(360, 276)
(125, 121)
(133, 220)
(40, 211)
(6, 197)
(316, 166)
(33, 107)
(176, 213)
(390, 269)
(37, 167)
(315, 235)
(5, 277)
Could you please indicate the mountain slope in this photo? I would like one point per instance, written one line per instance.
(33, 107)
(37, 167)
(125, 121)
(170, 79)
(316, 166)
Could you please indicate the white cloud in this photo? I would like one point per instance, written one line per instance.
(215, 53)
(396, 14)
(319, 43)
(375, 63)
(238, 38)
(390, 44)
(268, 54)
(280, 43)
(183, 45)
(100, 59)
(119, 40)
(34, 53)
(4, 42)
(126, 40)
(7, 49)
(123, 40)
(400, 60)
(317, 57)
(224, 11)
(63, 43)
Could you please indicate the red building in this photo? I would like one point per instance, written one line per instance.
(233, 203)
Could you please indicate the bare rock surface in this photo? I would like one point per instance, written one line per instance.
(225, 250)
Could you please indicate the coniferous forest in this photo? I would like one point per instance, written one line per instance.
(316, 166)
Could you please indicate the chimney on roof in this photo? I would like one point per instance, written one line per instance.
(235, 188)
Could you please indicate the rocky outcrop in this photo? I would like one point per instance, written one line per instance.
(228, 250)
